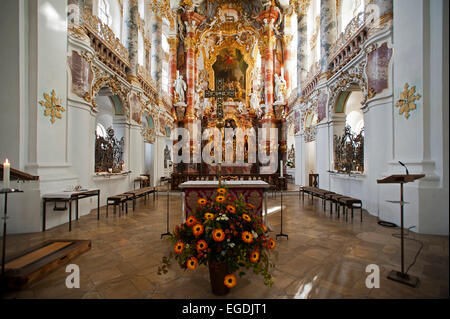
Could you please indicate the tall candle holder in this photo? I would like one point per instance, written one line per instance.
(167, 233)
(281, 234)
(6, 191)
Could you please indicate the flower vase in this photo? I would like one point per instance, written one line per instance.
(217, 273)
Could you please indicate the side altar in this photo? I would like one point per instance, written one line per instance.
(252, 191)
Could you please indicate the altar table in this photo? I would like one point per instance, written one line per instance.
(254, 192)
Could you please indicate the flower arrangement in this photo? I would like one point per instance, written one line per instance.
(225, 230)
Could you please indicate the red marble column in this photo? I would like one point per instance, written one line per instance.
(268, 79)
(268, 18)
(190, 76)
(191, 19)
(287, 59)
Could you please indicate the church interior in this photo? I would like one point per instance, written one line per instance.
(324, 123)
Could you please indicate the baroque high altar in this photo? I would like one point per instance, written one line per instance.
(230, 46)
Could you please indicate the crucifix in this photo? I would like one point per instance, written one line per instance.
(220, 94)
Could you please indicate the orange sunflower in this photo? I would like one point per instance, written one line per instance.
(191, 221)
(222, 191)
(247, 237)
(197, 230)
(246, 217)
(272, 244)
(192, 263)
(202, 201)
(254, 257)
(218, 235)
(220, 199)
(179, 247)
(264, 228)
(201, 245)
(231, 209)
(230, 281)
(209, 216)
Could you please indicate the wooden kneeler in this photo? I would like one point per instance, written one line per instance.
(35, 263)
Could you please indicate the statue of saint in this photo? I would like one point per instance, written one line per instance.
(280, 86)
(241, 108)
(167, 157)
(291, 157)
(180, 87)
(254, 102)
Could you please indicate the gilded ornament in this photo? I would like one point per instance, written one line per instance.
(52, 105)
(407, 101)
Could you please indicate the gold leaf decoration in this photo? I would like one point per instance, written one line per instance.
(407, 101)
(52, 105)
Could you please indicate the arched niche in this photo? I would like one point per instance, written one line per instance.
(348, 130)
(109, 133)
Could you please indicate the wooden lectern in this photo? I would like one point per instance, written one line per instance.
(401, 276)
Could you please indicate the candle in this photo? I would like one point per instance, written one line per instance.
(281, 169)
(6, 169)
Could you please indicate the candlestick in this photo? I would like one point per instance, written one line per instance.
(6, 171)
(281, 169)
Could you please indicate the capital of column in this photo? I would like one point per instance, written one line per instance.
(189, 43)
(287, 38)
(173, 42)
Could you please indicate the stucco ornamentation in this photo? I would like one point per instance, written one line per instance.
(52, 105)
(407, 101)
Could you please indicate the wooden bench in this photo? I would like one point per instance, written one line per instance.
(141, 192)
(352, 203)
(338, 199)
(117, 200)
(315, 192)
(334, 199)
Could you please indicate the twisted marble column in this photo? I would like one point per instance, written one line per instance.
(287, 39)
(328, 31)
(189, 43)
(302, 58)
(131, 13)
(156, 48)
(173, 44)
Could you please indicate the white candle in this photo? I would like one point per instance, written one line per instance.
(281, 169)
(6, 169)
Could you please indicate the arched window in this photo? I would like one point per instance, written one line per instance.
(141, 48)
(354, 116)
(103, 12)
(110, 13)
(100, 130)
(165, 57)
(313, 33)
(348, 9)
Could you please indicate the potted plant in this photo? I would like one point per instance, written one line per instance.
(225, 234)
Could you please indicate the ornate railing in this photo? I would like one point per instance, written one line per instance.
(147, 84)
(349, 43)
(165, 100)
(312, 79)
(109, 49)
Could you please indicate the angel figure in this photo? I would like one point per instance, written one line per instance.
(180, 87)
